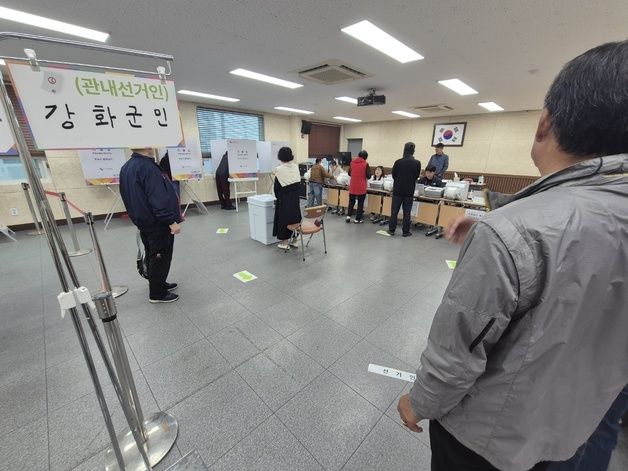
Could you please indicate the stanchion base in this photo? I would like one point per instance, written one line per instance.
(161, 430)
(78, 253)
(119, 290)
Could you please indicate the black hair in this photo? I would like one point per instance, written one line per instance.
(318, 160)
(430, 168)
(285, 154)
(383, 172)
(440, 145)
(408, 148)
(588, 102)
(364, 154)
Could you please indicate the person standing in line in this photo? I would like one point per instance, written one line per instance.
(439, 160)
(405, 172)
(360, 172)
(287, 188)
(153, 206)
(222, 183)
(315, 184)
(523, 363)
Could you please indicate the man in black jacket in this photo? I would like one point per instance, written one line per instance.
(430, 178)
(153, 206)
(405, 172)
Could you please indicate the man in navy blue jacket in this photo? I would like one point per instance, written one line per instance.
(153, 206)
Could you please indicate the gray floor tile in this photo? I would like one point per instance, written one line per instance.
(271, 447)
(141, 316)
(153, 344)
(288, 316)
(270, 381)
(23, 401)
(212, 317)
(388, 447)
(218, 416)
(324, 340)
(25, 448)
(290, 359)
(184, 372)
(352, 369)
(258, 332)
(97, 462)
(258, 296)
(329, 419)
(233, 345)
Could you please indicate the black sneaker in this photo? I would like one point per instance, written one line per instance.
(171, 286)
(391, 233)
(166, 298)
(407, 234)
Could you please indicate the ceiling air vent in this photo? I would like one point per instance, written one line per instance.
(433, 108)
(332, 72)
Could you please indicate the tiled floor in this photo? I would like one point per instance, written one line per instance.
(267, 375)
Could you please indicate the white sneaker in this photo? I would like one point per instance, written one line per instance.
(283, 246)
(347, 219)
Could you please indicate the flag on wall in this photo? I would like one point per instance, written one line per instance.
(449, 134)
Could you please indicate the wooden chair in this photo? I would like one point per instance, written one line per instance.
(310, 224)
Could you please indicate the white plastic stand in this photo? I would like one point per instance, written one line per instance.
(7, 232)
(193, 199)
(239, 194)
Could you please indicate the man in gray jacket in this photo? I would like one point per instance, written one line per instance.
(528, 349)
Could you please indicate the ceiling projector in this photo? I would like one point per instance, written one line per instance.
(371, 99)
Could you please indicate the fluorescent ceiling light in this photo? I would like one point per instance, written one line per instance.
(265, 78)
(379, 39)
(491, 106)
(458, 86)
(293, 110)
(54, 25)
(348, 99)
(208, 96)
(407, 115)
(351, 120)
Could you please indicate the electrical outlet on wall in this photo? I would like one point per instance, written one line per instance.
(14, 211)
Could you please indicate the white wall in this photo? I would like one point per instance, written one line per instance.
(493, 143)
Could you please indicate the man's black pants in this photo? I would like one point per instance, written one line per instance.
(448, 454)
(397, 203)
(224, 193)
(360, 212)
(158, 246)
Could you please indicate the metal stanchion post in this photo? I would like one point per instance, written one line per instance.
(78, 251)
(37, 231)
(159, 431)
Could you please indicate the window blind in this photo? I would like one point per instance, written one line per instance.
(221, 124)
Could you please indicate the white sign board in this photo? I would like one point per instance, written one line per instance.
(218, 148)
(7, 144)
(264, 162)
(242, 157)
(186, 163)
(102, 166)
(75, 109)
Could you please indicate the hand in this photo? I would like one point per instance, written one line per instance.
(407, 415)
(175, 228)
(458, 230)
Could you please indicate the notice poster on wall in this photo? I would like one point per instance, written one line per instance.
(242, 157)
(186, 162)
(7, 144)
(75, 109)
(102, 166)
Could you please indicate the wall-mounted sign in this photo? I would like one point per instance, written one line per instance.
(76, 109)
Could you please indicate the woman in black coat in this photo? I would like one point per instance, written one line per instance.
(287, 188)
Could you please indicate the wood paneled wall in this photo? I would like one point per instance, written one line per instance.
(324, 140)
